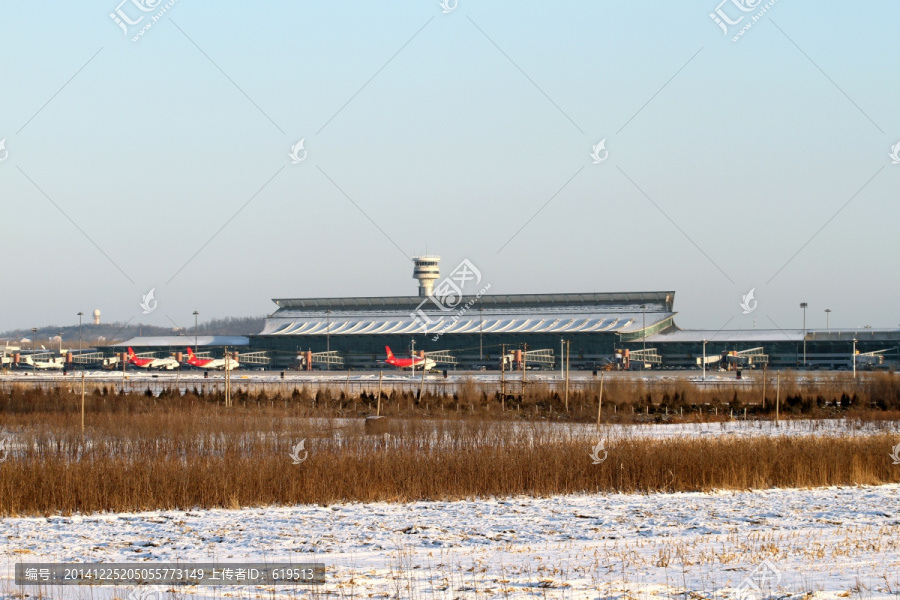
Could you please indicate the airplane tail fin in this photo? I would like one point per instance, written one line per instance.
(390, 354)
(130, 352)
(190, 352)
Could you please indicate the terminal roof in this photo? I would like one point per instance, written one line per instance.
(773, 335)
(658, 300)
(160, 341)
(490, 314)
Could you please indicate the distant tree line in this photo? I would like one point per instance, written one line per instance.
(107, 333)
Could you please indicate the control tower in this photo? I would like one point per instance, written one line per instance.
(426, 270)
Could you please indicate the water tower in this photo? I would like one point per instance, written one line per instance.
(97, 316)
(426, 270)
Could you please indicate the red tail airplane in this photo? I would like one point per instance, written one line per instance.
(210, 363)
(167, 363)
(408, 363)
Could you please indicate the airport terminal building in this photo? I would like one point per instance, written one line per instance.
(358, 329)
(602, 330)
(456, 330)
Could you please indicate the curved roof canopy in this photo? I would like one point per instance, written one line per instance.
(513, 314)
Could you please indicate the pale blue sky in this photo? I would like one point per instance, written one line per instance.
(457, 141)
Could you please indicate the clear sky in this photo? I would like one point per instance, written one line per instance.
(163, 163)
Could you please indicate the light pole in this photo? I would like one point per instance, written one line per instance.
(327, 339)
(80, 314)
(562, 356)
(803, 305)
(827, 318)
(644, 328)
(854, 358)
(60, 343)
(33, 338)
(195, 330)
(704, 360)
(480, 334)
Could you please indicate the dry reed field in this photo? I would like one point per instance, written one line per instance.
(145, 452)
(825, 395)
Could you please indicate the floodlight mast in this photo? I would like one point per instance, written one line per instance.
(704, 360)
(803, 305)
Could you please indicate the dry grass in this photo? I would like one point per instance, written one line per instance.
(142, 452)
(871, 396)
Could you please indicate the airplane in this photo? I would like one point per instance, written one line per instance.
(408, 363)
(167, 363)
(210, 363)
(40, 364)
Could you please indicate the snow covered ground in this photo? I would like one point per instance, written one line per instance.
(821, 543)
(539, 431)
(750, 428)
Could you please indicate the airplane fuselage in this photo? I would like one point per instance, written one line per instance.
(216, 364)
(155, 363)
(407, 364)
(42, 365)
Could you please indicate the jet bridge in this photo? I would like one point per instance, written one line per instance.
(260, 358)
(745, 358)
(647, 358)
(871, 360)
(516, 358)
(331, 358)
(541, 357)
(442, 357)
(87, 358)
